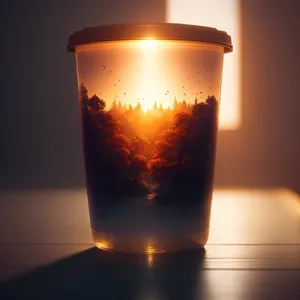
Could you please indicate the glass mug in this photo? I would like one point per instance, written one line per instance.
(149, 98)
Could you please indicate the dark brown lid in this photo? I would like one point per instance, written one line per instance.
(158, 31)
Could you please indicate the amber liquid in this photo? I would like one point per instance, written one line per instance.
(149, 174)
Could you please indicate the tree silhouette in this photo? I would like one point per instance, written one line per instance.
(96, 103)
(183, 158)
(175, 104)
(114, 107)
(139, 165)
(125, 146)
(184, 105)
(83, 95)
(138, 107)
(141, 144)
(113, 171)
(119, 141)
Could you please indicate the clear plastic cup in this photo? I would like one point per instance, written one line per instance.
(149, 99)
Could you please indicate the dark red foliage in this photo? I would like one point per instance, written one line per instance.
(123, 146)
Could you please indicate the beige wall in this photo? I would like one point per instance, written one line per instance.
(266, 149)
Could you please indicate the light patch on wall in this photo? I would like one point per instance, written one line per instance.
(223, 15)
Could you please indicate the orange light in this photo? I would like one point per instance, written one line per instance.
(215, 13)
(150, 260)
(149, 44)
(104, 245)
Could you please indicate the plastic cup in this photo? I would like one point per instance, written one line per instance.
(149, 100)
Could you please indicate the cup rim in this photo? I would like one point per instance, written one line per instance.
(144, 31)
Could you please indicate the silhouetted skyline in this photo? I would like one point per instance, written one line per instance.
(165, 155)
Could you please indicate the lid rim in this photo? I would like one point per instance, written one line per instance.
(158, 31)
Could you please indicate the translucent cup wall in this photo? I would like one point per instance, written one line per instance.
(150, 119)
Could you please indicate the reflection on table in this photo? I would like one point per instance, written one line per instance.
(253, 251)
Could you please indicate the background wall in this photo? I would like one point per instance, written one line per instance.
(265, 151)
(39, 116)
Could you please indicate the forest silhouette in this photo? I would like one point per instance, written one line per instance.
(165, 156)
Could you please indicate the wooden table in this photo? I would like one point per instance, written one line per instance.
(46, 251)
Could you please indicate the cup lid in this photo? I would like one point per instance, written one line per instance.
(158, 31)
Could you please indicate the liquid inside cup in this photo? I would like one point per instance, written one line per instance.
(150, 120)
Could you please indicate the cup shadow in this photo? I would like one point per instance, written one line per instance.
(94, 273)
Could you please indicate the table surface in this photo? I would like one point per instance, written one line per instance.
(46, 251)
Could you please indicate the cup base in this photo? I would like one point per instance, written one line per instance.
(149, 244)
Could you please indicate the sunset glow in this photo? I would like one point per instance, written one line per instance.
(149, 44)
(151, 72)
(104, 245)
(150, 77)
(223, 15)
